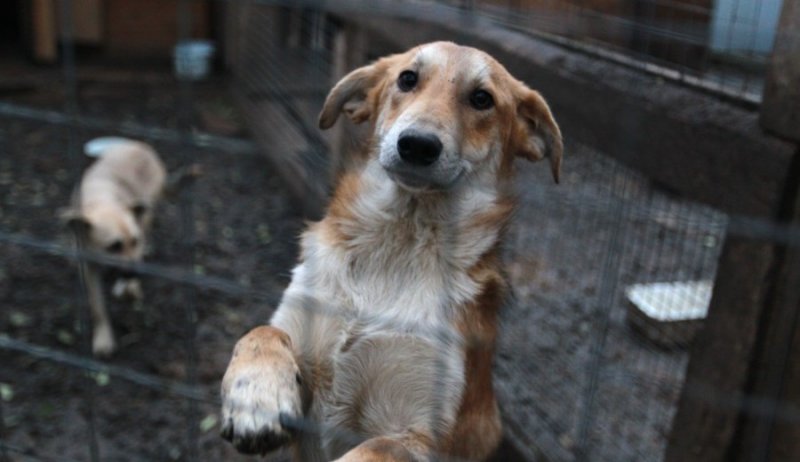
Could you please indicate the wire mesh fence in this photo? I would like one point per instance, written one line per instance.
(582, 372)
(721, 46)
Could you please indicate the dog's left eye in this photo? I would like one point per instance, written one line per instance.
(407, 80)
(481, 100)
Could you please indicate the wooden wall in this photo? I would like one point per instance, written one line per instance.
(120, 28)
(150, 27)
(672, 30)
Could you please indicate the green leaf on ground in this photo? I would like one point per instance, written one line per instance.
(208, 422)
(264, 236)
(65, 337)
(19, 319)
(101, 378)
(6, 392)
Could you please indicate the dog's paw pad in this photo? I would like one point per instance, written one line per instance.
(253, 415)
(247, 441)
(260, 443)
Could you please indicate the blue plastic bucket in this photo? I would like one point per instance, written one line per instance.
(192, 59)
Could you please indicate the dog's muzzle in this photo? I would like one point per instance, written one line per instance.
(419, 160)
(418, 148)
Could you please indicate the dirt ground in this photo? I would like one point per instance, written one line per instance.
(571, 252)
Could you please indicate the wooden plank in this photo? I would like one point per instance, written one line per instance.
(768, 428)
(349, 52)
(87, 20)
(709, 407)
(281, 97)
(780, 110)
(150, 28)
(773, 433)
(43, 17)
(784, 443)
(285, 147)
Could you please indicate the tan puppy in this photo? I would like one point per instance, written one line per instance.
(385, 336)
(112, 210)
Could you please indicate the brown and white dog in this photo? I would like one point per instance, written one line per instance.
(385, 336)
(111, 211)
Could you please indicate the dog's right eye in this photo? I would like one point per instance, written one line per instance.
(407, 80)
(114, 247)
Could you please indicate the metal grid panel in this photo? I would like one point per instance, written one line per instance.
(575, 379)
(572, 368)
(721, 46)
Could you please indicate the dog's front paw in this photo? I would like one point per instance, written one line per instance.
(260, 395)
(255, 406)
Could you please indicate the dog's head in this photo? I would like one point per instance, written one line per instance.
(109, 229)
(441, 111)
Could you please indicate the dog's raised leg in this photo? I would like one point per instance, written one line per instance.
(262, 383)
(383, 449)
(102, 334)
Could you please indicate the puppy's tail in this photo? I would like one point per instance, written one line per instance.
(98, 146)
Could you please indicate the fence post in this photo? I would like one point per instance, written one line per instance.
(742, 393)
(45, 40)
(708, 410)
(773, 432)
(780, 110)
(349, 52)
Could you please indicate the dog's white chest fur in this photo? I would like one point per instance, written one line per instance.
(405, 266)
(376, 301)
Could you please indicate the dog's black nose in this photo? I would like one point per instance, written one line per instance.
(418, 148)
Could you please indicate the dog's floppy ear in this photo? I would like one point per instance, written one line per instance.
(349, 95)
(538, 135)
(75, 221)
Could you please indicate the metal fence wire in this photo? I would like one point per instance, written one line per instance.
(585, 369)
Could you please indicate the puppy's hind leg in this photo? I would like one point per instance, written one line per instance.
(103, 343)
